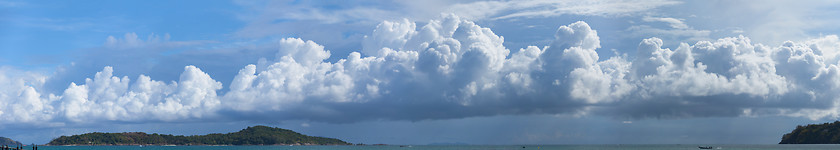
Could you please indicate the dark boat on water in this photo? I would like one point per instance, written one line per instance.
(705, 147)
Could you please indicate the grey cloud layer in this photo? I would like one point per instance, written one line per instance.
(454, 68)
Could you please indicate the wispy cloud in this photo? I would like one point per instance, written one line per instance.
(529, 9)
(267, 16)
(676, 29)
(7, 3)
(673, 22)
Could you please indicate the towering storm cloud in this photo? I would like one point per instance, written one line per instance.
(453, 68)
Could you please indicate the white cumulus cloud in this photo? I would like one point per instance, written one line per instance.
(110, 98)
(451, 67)
(20, 100)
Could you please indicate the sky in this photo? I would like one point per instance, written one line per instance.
(422, 72)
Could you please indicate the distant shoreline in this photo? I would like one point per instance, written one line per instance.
(204, 145)
(256, 135)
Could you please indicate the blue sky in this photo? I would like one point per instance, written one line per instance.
(403, 72)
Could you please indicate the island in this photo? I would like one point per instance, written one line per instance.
(826, 133)
(256, 135)
(8, 141)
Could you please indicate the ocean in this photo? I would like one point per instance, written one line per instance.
(456, 147)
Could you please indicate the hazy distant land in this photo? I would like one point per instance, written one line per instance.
(256, 135)
(8, 141)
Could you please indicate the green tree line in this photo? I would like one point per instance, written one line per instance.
(256, 135)
(826, 133)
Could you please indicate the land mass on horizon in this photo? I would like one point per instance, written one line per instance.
(8, 141)
(256, 135)
(826, 133)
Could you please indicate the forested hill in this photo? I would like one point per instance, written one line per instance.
(256, 135)
(826, 133)
(8, 141)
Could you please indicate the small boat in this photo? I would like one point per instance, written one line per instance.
(705, 147)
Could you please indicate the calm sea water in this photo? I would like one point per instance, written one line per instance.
(459, 147)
